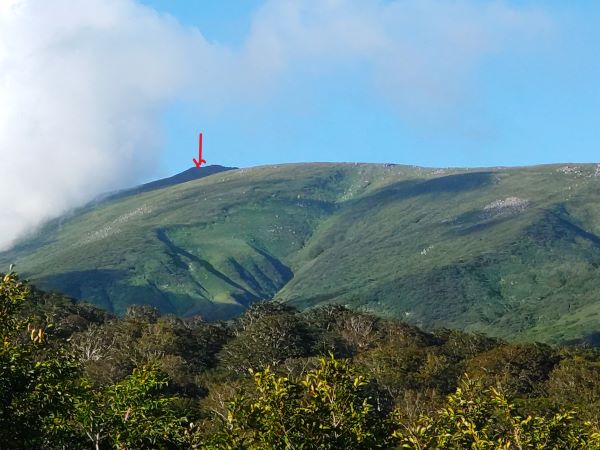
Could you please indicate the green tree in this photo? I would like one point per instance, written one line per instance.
(131, 414)
(38, 382)
(482, 419)
(267, 334)
(331, 407)
(520, 368)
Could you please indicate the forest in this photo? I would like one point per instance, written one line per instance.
(73, 376)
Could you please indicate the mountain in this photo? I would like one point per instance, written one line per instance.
(511, 252)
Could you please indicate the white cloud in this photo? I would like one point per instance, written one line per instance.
(420, 52)
(83, 84)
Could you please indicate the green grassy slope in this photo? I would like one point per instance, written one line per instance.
(509, 252)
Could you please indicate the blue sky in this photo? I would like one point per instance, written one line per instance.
(522, 103)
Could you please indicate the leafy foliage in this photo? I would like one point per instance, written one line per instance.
(331, 407)
(267, 334)
(476, 419)
(36, 380)
(327, 378)
(133, 413)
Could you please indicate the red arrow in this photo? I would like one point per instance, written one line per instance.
(200, 160)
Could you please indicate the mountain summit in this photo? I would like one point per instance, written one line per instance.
(191, 174)
(510, 252)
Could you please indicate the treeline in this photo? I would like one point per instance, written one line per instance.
(73, 376)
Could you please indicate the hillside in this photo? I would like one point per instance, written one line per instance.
(509, 252)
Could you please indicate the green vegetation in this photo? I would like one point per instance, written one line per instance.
(513, 253)
(75, 377)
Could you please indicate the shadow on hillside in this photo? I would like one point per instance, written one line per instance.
(261, 285)
(475, 221)
(176, 252)
(558, 225)
(592, 340)
(413, 188)
(110, 290)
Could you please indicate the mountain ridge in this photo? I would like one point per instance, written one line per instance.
(191, 174)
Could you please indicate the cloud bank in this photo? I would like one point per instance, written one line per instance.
(83, 84)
